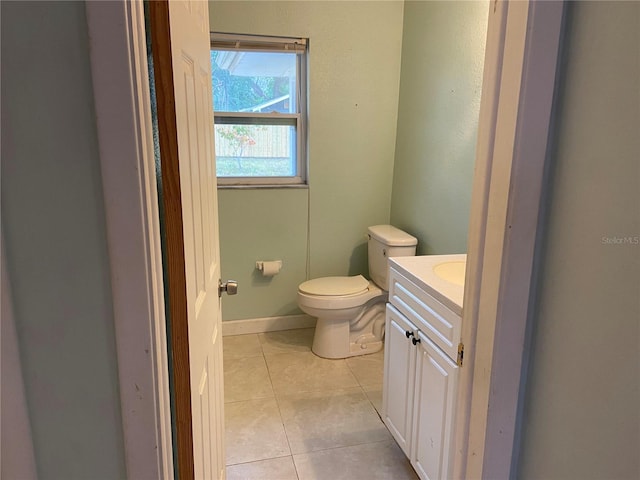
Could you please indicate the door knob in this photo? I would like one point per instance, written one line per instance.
(230, 286)
(408, 334)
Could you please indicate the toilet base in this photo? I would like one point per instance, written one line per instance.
(341, 338)
(365, 348)
(354, 349)
(331, 338)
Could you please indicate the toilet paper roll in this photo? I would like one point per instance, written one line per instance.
(269, 269)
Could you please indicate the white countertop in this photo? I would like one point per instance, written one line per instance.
(420, 270)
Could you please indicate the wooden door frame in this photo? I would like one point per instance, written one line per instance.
(515, 116)
(176, 278)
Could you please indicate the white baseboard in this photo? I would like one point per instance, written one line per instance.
(266, 324)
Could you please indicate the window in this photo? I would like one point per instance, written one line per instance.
(259, 103)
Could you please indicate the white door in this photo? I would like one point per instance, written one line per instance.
(434, 400)
(399, 367)
(189, 23)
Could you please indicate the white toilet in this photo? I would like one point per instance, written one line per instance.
(351, 310)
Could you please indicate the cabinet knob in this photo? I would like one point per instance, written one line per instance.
(408, 334)
(415, 340)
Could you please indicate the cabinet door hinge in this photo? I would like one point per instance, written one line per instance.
(460, 354)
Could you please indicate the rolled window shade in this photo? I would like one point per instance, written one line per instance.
(225, 41)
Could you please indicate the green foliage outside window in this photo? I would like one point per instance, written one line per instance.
(233, 93)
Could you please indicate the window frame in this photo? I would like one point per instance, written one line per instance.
(254, 43)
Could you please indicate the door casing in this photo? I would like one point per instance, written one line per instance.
(509, 188)
(125, 140)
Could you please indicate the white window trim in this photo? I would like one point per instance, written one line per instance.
(227, 41)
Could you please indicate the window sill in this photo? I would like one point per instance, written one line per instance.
(303, 186)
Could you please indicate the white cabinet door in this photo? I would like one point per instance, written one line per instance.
(399, 372)
(434, 397)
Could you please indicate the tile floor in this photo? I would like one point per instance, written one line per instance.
(292, 415)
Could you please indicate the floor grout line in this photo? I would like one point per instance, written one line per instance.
(254, 461)
(286, 435)
(278, 397)
(340, 447)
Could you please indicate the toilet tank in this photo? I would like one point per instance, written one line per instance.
(387, 241)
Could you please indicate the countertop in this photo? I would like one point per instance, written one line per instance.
(420, 270)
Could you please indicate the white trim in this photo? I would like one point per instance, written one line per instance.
(122, 102)
(512, 157)
(477, 226)
(266, 324)
(297, 119)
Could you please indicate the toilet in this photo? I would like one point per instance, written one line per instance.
(350, 311)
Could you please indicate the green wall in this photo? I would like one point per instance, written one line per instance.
(354, 75)
(440, 86)
(262, 225)
(581, 416)
(55, 240)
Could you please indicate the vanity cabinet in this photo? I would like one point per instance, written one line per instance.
(399, 377)
(420, 377)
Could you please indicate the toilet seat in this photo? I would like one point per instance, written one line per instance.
(352, 293)
(335, 286)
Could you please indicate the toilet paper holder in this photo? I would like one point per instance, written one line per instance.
(269, 268)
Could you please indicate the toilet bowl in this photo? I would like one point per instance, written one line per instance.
(350, 311)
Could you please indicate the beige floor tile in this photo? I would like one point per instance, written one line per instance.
(240, 346)
(374, 394)
(372, 461)
(245, 379)
(287, 341)
(328, 419)
(368, 369)
(305, 372)
(254, 431)
(272, 469)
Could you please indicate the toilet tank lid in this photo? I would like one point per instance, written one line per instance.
(333, 286)
(392, 236)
